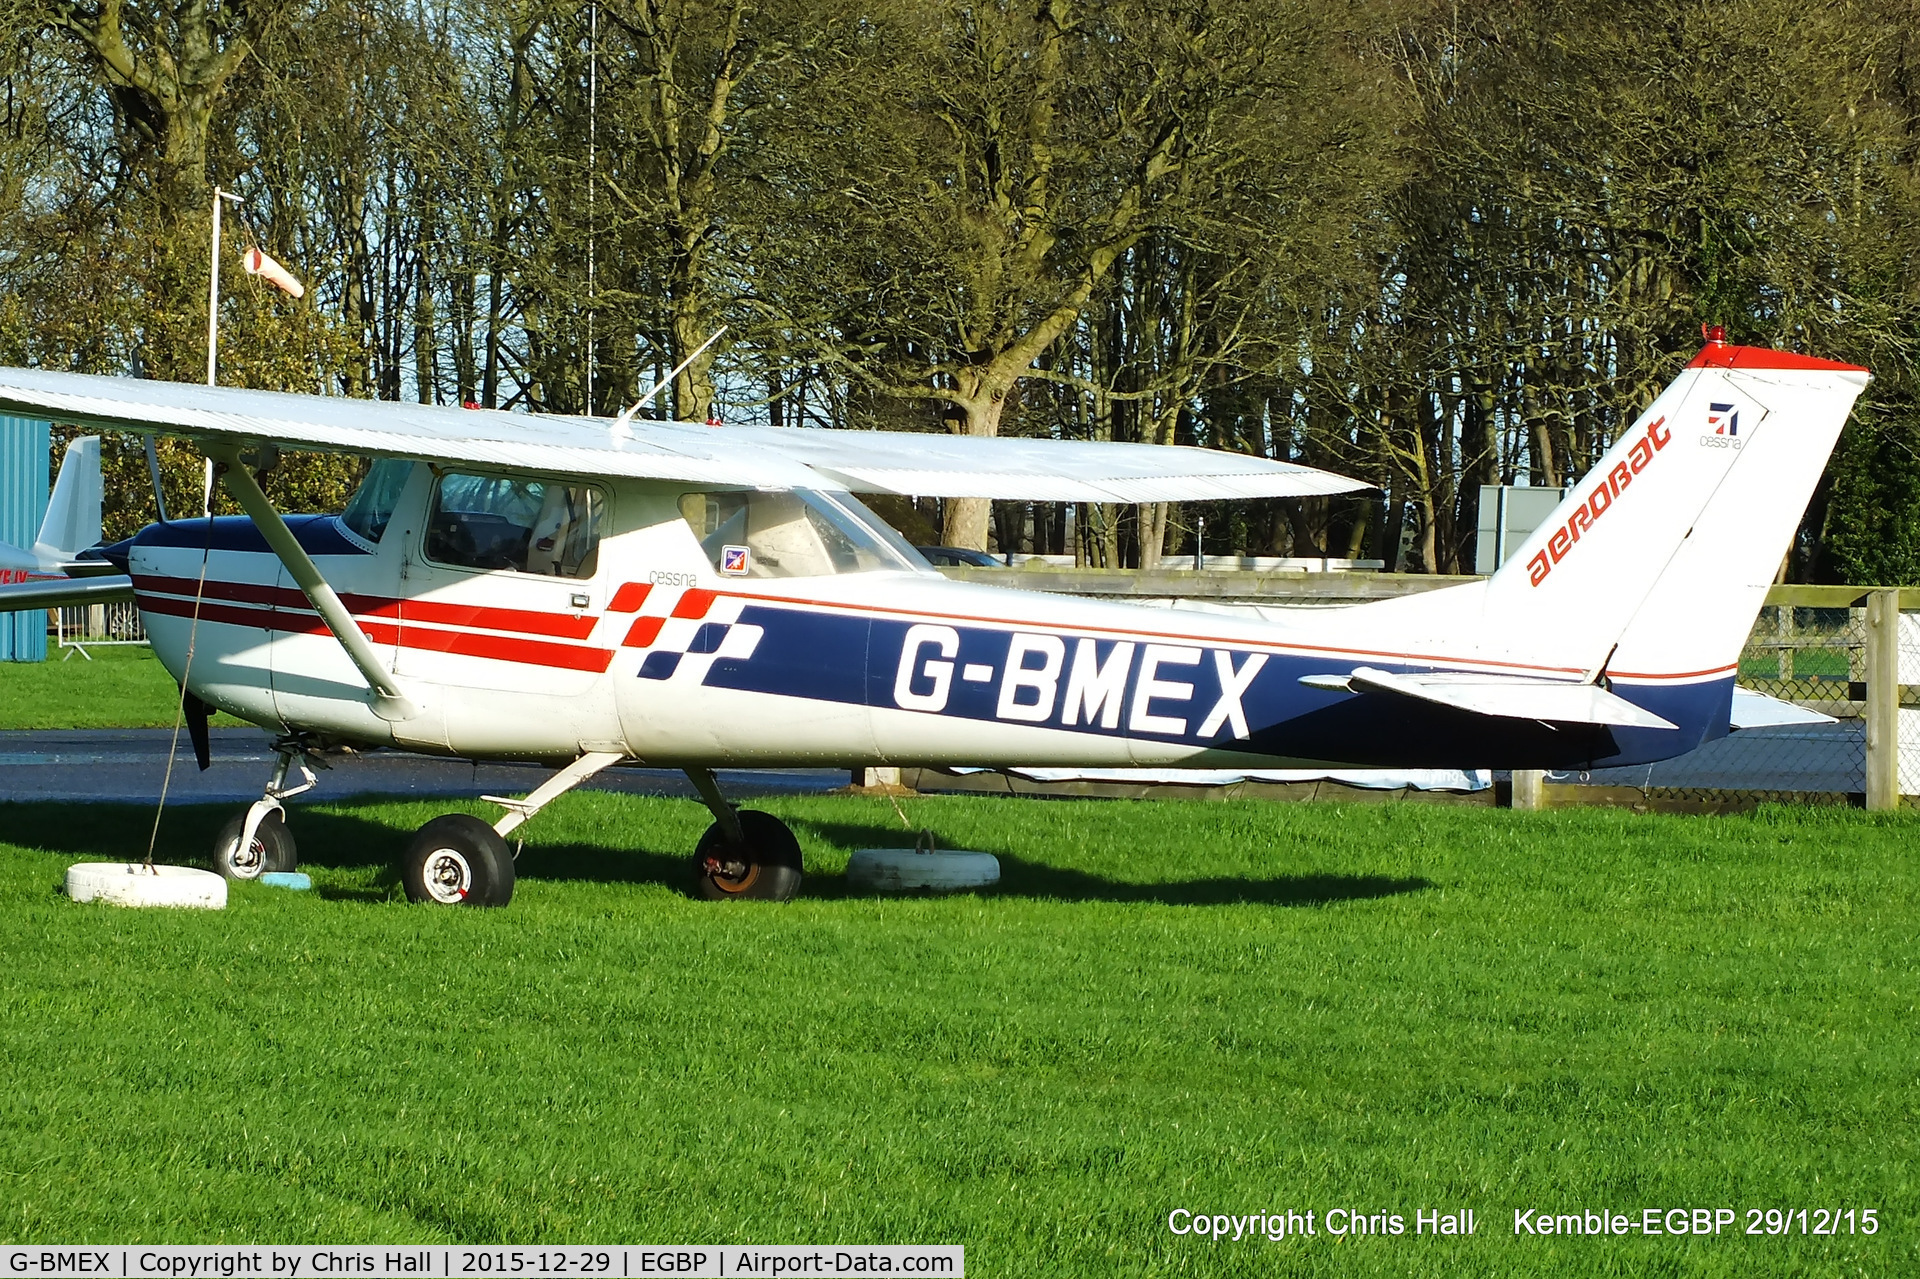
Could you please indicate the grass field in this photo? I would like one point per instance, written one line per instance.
(119, 688)
(1226, 1008)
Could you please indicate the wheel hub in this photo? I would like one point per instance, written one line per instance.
(247, 862)
(448, 877)
(732, 873)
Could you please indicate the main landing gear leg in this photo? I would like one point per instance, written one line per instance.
(257, 840)
(745, 855)
(459, 860)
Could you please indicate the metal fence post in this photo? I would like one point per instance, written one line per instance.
(1883, 700)
(1529, 788)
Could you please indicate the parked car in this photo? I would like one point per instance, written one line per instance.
(959, 557)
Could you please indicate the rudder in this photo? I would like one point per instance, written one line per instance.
(1652, 570)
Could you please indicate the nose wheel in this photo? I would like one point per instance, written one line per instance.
(257, 840)
(270, 849)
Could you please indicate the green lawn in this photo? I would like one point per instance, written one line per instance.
(120, 688)
(1220, 1007)
(1811, 665)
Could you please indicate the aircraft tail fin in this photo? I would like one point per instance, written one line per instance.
(1650, 573)
(72, 522)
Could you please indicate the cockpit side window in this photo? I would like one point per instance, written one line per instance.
(371, 506)
(525, 525)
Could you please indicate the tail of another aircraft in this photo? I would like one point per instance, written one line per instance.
(1651, 572)
(72, 523)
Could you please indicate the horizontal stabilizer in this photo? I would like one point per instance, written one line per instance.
(1502, 696)
(1757, 710)
(65, 592)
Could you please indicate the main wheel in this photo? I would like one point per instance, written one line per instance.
(767, 869)
(458, 860)
(271, 848)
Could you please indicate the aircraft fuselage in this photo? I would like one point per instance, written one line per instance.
(671, 648)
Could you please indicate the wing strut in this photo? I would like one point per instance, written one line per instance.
(389, 703)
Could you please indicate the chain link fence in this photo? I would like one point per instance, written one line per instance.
(1811, 656)
(1813, 647)
(1909, 701)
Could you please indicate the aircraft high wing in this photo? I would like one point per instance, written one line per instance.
(755, 457)
(588, 592)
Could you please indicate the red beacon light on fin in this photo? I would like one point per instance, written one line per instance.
(1715, 334)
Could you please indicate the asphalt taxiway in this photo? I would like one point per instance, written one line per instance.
(129, 765)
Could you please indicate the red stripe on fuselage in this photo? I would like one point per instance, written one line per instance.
(1729, 668)
(501, 648)
(630, 597)
(302, 620)
(694, 604)
(525, 621)
(261, 619)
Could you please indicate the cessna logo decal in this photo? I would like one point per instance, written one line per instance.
(1725, 421)
(1598, 502)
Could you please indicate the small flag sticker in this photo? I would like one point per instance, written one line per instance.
(1723, 419)
(734, 560)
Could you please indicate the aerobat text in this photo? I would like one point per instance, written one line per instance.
(1599, 502)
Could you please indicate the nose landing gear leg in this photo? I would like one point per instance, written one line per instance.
(745, 855)
(257, 840)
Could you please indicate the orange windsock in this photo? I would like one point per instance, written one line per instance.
(273, 273)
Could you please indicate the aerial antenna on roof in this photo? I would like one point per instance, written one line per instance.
(623, 424)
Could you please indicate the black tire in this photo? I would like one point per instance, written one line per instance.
(766, 870)
(458, 860)
(272, 848)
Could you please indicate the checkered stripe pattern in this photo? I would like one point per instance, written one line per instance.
(699, 627)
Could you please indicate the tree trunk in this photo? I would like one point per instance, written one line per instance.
(1153, 533)
(966, 519)
(693, 385)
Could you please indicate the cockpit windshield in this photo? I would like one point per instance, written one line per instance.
(797, 533)
(372, 503)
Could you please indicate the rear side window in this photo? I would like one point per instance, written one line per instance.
(547, 527)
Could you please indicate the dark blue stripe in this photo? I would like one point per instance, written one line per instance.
(852, 659)
(707, 638)
(317, 535)
(659, 665)
(803, 654)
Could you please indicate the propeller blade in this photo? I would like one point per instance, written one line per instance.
(197, 713)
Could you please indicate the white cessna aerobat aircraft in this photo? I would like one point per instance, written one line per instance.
(591, 592)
